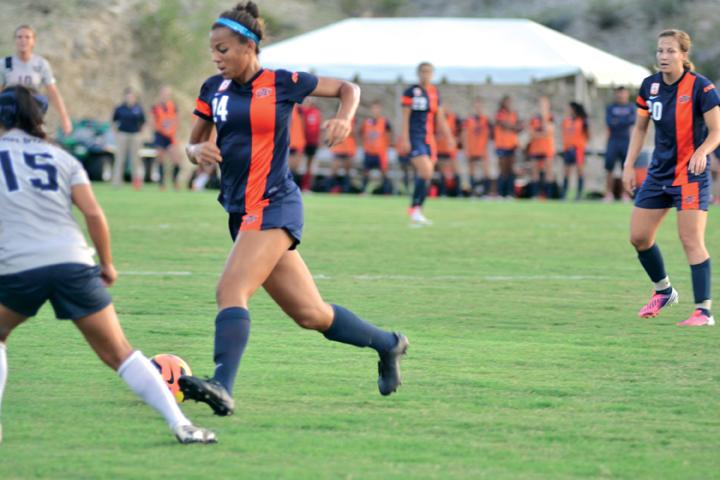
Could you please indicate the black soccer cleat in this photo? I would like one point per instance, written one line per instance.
(389, 366)
(208, 391)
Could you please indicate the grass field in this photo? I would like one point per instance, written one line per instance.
(527, 359)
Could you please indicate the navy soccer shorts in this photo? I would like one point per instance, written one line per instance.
(74, 290)
(691, 196)
(616, 152)
(285, 212)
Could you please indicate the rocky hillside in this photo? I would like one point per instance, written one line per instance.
(98, 47)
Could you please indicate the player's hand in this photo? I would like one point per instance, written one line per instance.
(206, 154)
(336, 130)
(108, 274)
(629, 180)
(698, 163)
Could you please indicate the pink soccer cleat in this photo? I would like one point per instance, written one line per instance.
(658, 302)
(698, 319)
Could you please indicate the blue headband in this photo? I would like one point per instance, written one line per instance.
(236, 27)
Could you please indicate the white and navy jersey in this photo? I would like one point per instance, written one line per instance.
(37, 227)
(35, 73)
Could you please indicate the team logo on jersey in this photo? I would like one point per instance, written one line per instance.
(224, 85)
(690, 199)
(417, 92)
(263, 92)
(654, 88)
(708, 88)
(294, 77)
(249, 219)
(684, 99)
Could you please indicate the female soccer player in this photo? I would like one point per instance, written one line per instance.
(575, 137)
(33, 71)
(376, 133)
(343, 157)
(421, 104)
(476, 130)
(39, 183)
(542, 148)
(682, 105)
(166, 123)
(507, 127)
(250, 108)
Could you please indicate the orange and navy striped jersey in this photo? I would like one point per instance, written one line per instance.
(677, 111)
(477, 135)
(252, 121)
(297, 130)
(443, 146)
(165, 115)
(376, 135)
(573, 133)
(423, 104)
(347, 147)
(506, 125)
(542, 141)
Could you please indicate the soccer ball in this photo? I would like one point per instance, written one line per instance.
(171, 368)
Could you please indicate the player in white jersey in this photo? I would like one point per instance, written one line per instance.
(33, 71)
(44, 256)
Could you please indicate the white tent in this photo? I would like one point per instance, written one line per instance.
(463, 51)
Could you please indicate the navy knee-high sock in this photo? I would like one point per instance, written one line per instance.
(566, 184)
(351, 329)
(581, 185)
(420, 192)
(701, 284)
(652, 261)
(232, 330)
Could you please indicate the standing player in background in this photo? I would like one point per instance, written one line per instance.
(312, 121)
(343, 156)
(250, 108)
(619, 118)
(128, 120)
(506, 128)
(683, 106)
(165, 115)
(476, 135)
(447, 156)
(576, 134)
(421, 103)
(39, 184)
(297, 144)
(542, 149)
(376, 133)
(33, 71)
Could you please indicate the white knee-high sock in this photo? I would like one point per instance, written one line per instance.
(144, 379)
(3, 371)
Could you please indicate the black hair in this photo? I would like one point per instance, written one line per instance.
(579, 111)
(621, 88)
(248, 15)
(21, 108)
(424, 64)
(505, 98)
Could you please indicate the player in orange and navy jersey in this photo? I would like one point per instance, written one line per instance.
(542, 148)
(476, 136)
(343, 155)
(250, 107)
(683, 106)
(421, 103)
(447, 156)
(297, 144)
(575, 133)
(506, 128)
(166, 123)
(376, 133)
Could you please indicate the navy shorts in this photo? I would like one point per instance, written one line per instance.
(74, 290)
(404, 160)
(691, 196)
(162, 142)
(373, 162)
(570, 156)
(419, 148)
(505, 152)
(285, 213)
(616, 152)
(310, 150)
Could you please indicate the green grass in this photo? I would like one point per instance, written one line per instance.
(515, 370)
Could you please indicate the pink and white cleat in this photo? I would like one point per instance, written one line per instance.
(698, 319)
(658, 302)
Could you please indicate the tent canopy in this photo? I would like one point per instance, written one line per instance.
(463, 51)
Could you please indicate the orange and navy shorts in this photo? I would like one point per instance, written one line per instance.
(285, 212)
(691, 196)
